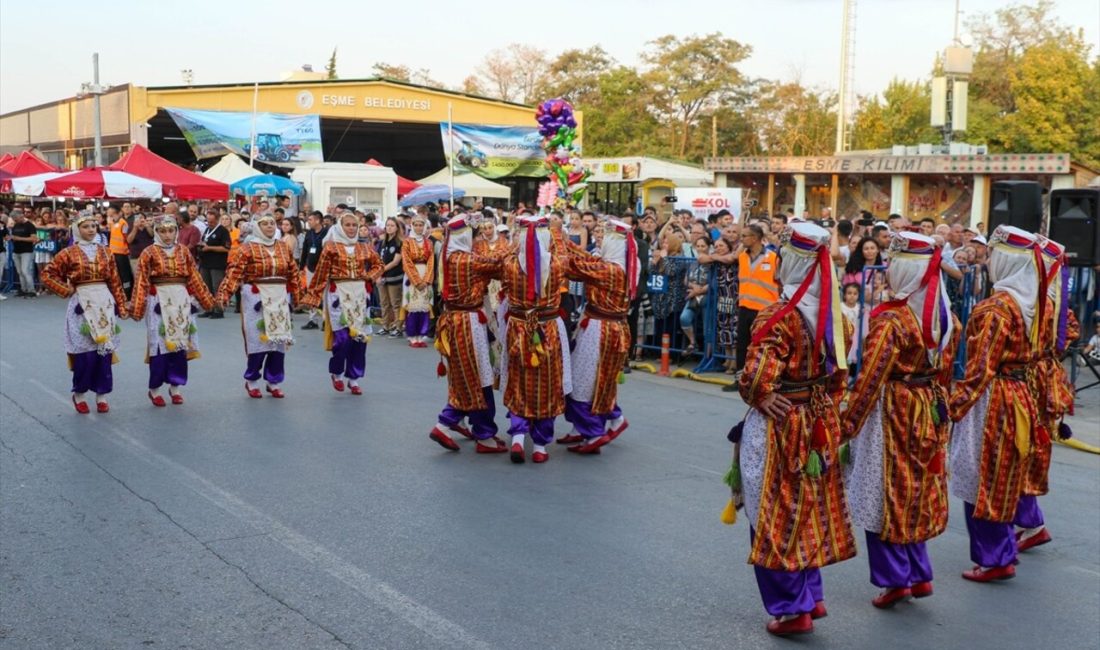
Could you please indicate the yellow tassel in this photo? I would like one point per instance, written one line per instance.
(263, 338)
(1023, 429)
(170, 346)
(534, 360)
(352, 332)
(729, 513)
(101, 339)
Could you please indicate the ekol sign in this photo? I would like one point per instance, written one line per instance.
(705, 201)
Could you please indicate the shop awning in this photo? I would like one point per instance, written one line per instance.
(229, 169)
(178, 182)
(471, 184)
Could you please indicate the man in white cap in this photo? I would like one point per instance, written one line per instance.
(896, 478)
(993, 406)
(786, 464)
(603, 342)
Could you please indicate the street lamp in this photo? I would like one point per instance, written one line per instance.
(95, 90)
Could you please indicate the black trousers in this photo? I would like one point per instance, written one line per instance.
(125, 274)
(745, 317)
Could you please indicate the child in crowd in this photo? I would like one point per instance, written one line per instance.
(1091, 352)
(850, 308)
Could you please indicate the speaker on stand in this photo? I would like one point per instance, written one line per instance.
(1016, 203)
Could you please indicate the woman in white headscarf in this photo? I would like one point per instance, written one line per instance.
(344, 272)
(86, 274)
(266, 271)
(418, 260)
(166, 288)
(992, 443)
(786, 465)
(896, 479)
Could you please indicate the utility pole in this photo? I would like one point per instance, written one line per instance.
(845, 98)
(95, 90)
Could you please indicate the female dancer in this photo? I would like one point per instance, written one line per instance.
(86, 274)
(265, 268)
(167, 284)
(343, 271)
(418, 259)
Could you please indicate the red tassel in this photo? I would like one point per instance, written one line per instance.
(584, 323)
(332, 287)
(153, 290)
(441, 369)
(1042, 436)
(255, 289)
(820, 436)
(481, 318)
(935, 466)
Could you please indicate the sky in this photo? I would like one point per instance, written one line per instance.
(149, 43)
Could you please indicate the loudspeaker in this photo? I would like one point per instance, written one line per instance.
(1016, 203)
(1074, 215)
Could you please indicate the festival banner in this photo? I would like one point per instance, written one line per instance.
(281, 139)
(494, 151)
(705, 201)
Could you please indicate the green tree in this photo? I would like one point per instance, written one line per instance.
(389, 71)
(575, 75)
(617, 121)
(793, 120)
(901, 116)
(689, 77)
(1048, 89)
(330, 67)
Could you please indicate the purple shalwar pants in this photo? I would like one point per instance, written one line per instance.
(349, 357)
(587, 423)
(897, 565)
(541, 430)
(92, 372)
(272, 364)
(417, 323)
(1028, 514)
(992, 543)
(481, 422)
(170, 368)
(788, 592)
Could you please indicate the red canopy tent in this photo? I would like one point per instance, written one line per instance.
(5, 159)
(27, 164)
(178, 182)
(404, 185)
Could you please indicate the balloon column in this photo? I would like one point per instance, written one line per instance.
(558, 128)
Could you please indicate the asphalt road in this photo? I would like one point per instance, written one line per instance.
(330, 521)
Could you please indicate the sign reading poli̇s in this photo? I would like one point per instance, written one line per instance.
(494, 151)
(280, 138)
(705, 201)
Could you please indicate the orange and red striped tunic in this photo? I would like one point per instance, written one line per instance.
(914, 444)
(253, 261)
(156, 263)
(803, 521)
(71, 267)
(608, 300)
(467, 279)
(1053, 393)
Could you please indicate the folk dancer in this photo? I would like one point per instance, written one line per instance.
(462, 338)
(344, 271)
(86, 274)
(994, 407)
(896, 478)
(788, 459)
(603, 341)
(267, 274)
(537, 374)
(166, 288)
(418, 261)
(1053, 394)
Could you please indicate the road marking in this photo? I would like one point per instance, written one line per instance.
(379, 592)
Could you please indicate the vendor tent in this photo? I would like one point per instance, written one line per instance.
(26, 164)
(404, 185)
(229, 170)
(178, 182)
(472, 184)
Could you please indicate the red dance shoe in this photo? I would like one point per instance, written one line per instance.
(443, 439)
(978, 574)
(615, 433)
(921, 590)
(157, 400)
(102, 407)
(464, 432)
(819, 610)
(891, 597)
(592, 446)
(517, 454)
(356, 389)
(177, 399)
(275, 392)
(571, 439)
(1038, 539)
(497, 446)
(81, 407)
(338, 385)
(254, 393)
(540, 457)
(801, 624)
(413, 344)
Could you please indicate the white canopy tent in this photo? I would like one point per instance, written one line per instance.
(229, 170)
(474, 185)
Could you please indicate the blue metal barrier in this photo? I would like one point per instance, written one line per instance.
(8, 273)
(667, 293)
